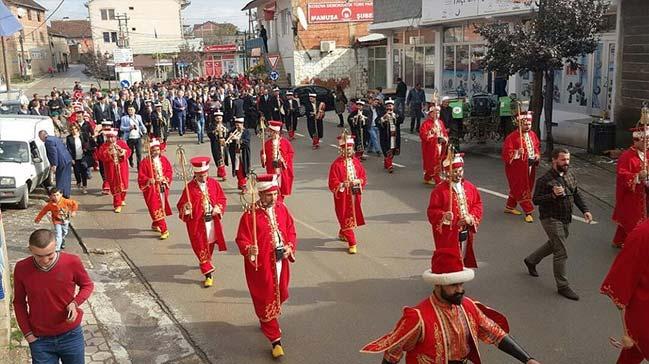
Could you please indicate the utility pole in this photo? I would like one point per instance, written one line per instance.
(23, 64)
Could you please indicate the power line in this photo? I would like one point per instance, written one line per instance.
(47, 18)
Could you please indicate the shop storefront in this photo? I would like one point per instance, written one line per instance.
(441, 51)
(222, 59)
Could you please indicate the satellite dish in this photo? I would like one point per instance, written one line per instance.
(301, 18)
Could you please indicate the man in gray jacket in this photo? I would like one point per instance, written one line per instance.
(416, 100)
(133, 130)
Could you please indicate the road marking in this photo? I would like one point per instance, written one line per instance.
(315, 229)
(298, 134)
(498, 194)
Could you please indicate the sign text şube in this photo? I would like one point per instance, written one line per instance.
(340, 12)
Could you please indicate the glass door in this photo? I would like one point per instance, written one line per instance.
(603, 78)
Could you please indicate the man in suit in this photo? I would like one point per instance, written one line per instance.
(101, 110)
(133, 130)
(60, 162)
(277, 102)
(264, 104)
(179, 106)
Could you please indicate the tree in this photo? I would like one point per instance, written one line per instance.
(191, 57)
(96, 66)
(559, 33)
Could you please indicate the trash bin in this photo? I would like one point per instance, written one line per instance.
(601, 137)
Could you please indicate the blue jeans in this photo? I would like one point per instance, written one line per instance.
(180, 121)
(200, 127)
(69, 347)
(374, 140)
(61, 231)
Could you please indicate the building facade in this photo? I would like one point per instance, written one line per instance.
(59, 49)
(433, 42)
(79, 36)
(28, 52)
(134, 24)
(322, 53)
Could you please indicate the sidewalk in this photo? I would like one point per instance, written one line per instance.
(18, 226)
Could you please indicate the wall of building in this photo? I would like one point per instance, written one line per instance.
(347, 66)
(390, 10)
(147, 18)
(35, 43)
(60, 50)
(632, 76)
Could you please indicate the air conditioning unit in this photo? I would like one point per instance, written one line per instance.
(327, 46)
(414, 40)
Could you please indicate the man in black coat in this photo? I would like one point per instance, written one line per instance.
(292, 109)
(278, 112)
(239, 150)
(389, 124)
(359, 121)
(251, 114)
(101, 110)
(265, 105)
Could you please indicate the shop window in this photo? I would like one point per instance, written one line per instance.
(464, 73)
(39, 16)
(419, 66)
(429, 67)
(396, 64)
(106, 36)
(576, 80)
(408, 69)
(477, 79)
(377, 67)
(452, 35)
(113, 37)
(107, 14)
(470, 35)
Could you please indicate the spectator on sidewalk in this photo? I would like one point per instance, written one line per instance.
(81, 146)
(179, 106)
(60, 162)
(61, 210)
(133, 130)
(51, 322)
(416, 100)
(377, 112)
(340, 105)
(402, 90)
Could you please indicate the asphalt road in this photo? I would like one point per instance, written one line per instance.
(340, 302)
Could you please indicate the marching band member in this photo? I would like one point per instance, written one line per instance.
(358, 123)
(292, 113)
(315, 113)
(455, 212)
(631, 202)
(521, 152)
(390, 134)
(446, 327)
(346, 181)
(217, 132)
(434, 139)
(277, 158)
(267, 251)
(201, 206)
(238, 143)
(114, 155)
(154, 179)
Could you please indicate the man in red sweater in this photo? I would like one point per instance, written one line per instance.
(51, 322)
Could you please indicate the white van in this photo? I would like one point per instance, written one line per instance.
(23, 160)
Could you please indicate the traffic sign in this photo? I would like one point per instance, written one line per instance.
(273, 61)
(125, 83)
(274, 75)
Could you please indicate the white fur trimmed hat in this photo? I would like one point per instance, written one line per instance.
(447, 268)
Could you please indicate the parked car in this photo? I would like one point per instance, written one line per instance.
(323, 95)
(23, 159)
(9, 107)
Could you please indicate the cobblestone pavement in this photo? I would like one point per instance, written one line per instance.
(18, 225)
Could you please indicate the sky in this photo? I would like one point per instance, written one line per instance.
(197, 12)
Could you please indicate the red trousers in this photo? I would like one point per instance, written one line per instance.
(526, 205)
(241, 179)
(271, 330)
(162, 224)
(105, 186)
(387, 162)
(118, 198)
(220, 172)
(291, 134)
(620, 236)
(203, 252)
(349, 236)
(316, 141)
(631, 356)
(434, 176)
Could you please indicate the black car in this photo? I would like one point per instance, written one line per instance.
(323, 95)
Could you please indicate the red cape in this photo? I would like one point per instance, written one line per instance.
(627, 284)
(267, 296)
(446, 236)
(286, 170)
(630, 197)
(195, 223)
(520, 177)
(151, 190)
(430, 149)
(343, 199)
(116, 174)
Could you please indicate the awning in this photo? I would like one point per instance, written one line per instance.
(373, 37)
(256, 3)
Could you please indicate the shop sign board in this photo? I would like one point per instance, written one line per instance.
(433, 11)
(340, 12)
